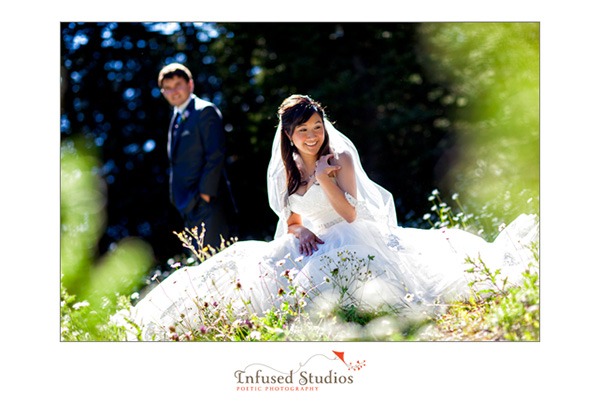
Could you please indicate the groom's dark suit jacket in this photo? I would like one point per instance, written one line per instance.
(196, 149)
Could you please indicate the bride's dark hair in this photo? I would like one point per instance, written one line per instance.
(296, 110)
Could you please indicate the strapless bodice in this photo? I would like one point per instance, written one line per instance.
(317, 213)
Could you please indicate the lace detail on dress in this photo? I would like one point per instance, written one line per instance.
(329, 224)
(393, 242)
(361, 208)
(353, 202)
(287, 211)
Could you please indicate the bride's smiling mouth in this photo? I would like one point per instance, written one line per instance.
(309, 136)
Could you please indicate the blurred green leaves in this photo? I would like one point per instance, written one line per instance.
(492, 71)
(82, 214)
(82, 224)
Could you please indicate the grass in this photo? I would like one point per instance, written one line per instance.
(511, 314)
(500, 312)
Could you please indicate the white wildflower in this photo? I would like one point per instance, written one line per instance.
(80, 304)
(293, 272)
(255, 335)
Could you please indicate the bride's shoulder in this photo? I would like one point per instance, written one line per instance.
(344, 158)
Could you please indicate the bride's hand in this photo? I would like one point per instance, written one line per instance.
(324, 169)
(308, 242)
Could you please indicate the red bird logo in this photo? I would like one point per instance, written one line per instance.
(350, 366)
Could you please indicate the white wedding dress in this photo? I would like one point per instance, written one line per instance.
(363, 264)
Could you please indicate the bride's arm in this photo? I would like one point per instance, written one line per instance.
(308, 240)
(345, 183)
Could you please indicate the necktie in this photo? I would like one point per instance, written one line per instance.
(177, 119)
(174, 125)
(175, 122)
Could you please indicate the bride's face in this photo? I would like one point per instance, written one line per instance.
(308, 137)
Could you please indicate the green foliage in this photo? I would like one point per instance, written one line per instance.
(517, 313)
(500, 313)
(95, 282)
(446, 217)
(82, 214)
(486, 223)
(194, 241)
(80, 322)
(346, 276)
(491, 72)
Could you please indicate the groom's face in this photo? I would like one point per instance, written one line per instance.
(176, 90)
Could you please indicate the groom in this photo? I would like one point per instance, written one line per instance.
(196, 149)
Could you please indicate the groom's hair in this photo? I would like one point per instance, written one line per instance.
(173, 70)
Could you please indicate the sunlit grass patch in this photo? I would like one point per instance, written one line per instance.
(504, 313)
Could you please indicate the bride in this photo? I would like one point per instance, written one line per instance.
(337, 242)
